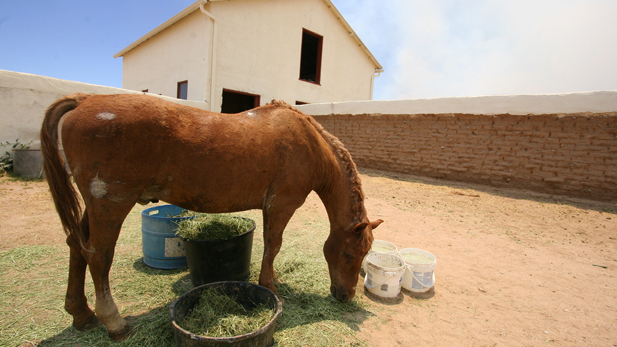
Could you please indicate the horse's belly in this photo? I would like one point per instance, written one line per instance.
(218, 193)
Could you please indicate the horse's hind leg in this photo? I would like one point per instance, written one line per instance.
(76, 303)
(105, 223)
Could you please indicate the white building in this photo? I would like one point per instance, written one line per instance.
(237, 54)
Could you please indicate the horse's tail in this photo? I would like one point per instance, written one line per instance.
(62, 190)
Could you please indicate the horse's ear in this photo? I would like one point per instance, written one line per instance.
(361, 226)
(375, 223)
(359, 229)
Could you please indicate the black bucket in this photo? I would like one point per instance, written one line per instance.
(220, 260)
(247, 294)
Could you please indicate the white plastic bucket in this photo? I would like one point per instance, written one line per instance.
(384, 274)
(380, 246)
(420, 270)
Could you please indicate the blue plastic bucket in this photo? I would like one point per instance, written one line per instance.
(161, 248)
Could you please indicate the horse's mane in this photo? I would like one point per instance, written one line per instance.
(341, 153)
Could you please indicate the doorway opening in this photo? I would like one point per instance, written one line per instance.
(235, 102)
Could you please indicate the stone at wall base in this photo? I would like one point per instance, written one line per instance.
(28, 163)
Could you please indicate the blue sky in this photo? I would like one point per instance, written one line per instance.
(428, 49)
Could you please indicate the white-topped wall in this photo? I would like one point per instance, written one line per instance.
(25, 97)
(562, 144)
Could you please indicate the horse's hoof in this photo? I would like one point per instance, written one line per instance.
(118, 336)
(90, 323)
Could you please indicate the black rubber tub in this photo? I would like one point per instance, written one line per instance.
(220, 260)
(248, 295)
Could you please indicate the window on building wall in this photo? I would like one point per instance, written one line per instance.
(310, 61)
(144, 91)
(301, 102)
(235, 102)
(183, 90)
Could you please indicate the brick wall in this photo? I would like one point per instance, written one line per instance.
(565, 154)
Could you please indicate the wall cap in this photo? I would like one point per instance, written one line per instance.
(25, 81)
(535, 104)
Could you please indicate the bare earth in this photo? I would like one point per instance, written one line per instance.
(513, 268)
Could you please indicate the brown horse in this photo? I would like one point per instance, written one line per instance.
(127, 149)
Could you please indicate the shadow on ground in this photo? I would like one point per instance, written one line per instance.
(501, 191)
(153, 328)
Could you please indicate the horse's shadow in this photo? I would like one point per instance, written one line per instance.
(154, 326)
(303, 308)
(140, 266)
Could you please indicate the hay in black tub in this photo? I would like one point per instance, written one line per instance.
(247, 294)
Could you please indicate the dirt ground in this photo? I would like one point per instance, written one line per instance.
(513, 268)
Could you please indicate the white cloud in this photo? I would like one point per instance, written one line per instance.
(487, 47)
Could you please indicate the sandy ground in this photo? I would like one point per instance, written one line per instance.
(514, 268)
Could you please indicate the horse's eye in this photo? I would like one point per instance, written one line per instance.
(348, 256)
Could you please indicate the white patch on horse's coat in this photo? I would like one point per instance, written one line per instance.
(105, 116)
(251, 114)
(269, 201)
(98, 188)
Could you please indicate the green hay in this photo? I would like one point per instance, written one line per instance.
(33, 286)
(219, 315)
(184, 213)
(207, 226)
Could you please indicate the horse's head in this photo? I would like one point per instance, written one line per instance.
(344, 251)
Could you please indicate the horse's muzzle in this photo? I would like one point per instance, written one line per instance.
(341, 295)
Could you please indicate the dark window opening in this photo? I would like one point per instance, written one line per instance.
(183, 90)
(144, 91)
(310, 61)
(235, 102)
(301, 103)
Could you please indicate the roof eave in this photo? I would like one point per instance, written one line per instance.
(161, 27)
(339, 16)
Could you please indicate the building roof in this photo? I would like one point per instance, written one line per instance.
(195, 6)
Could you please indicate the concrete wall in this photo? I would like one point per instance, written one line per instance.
(25, 97)
(560, 144)
(258, 47)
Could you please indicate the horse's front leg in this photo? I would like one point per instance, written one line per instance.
(75, 302)
(276, 216)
